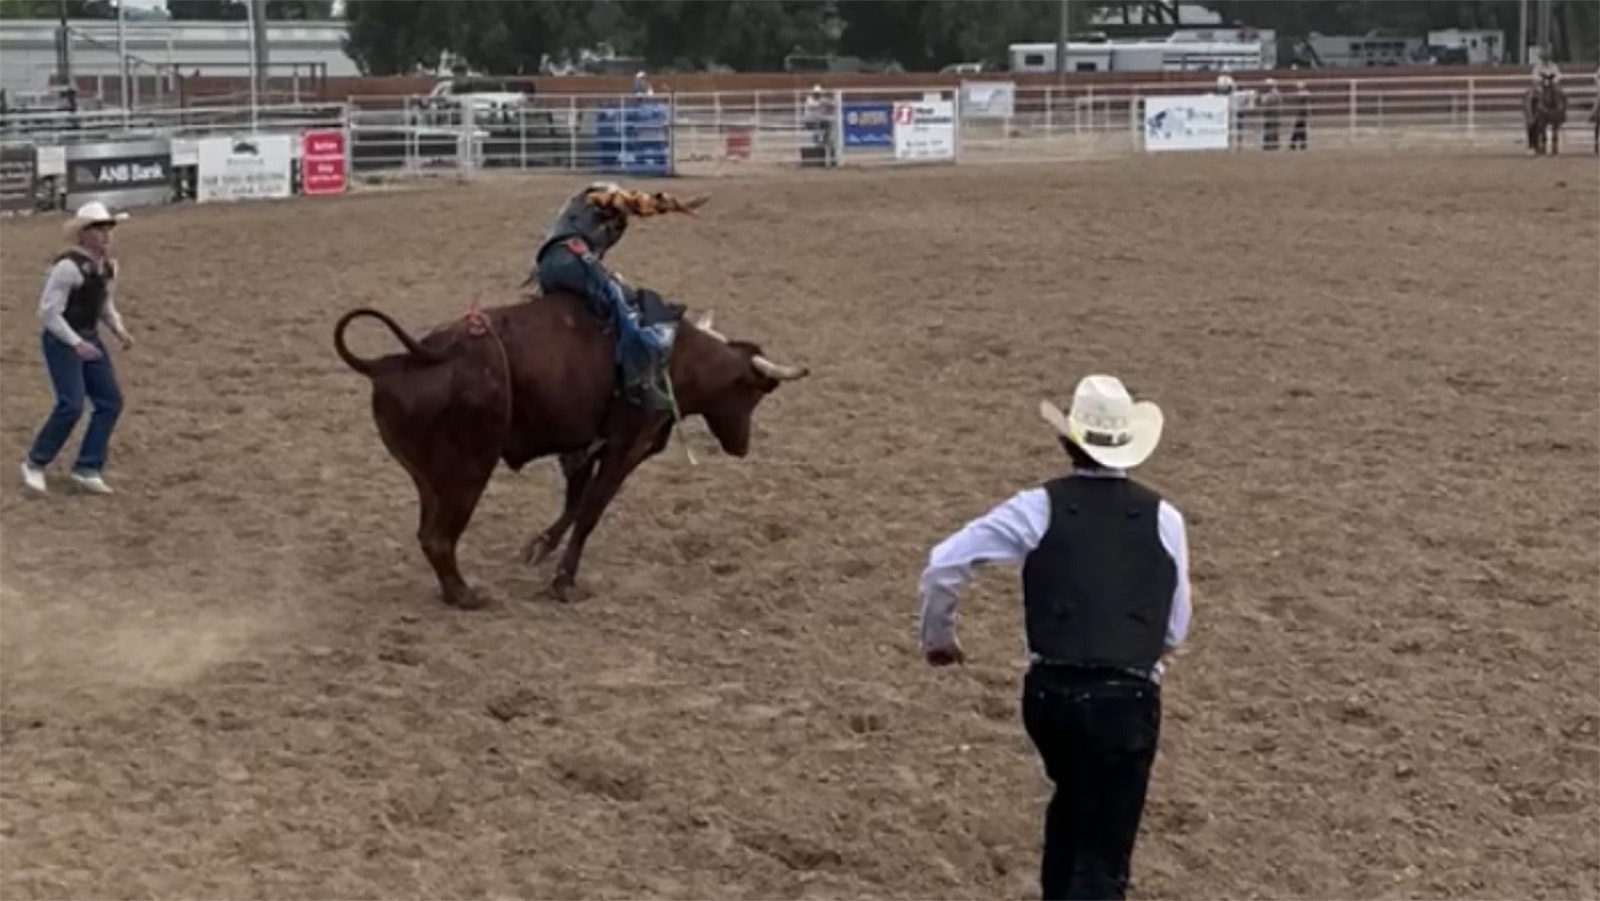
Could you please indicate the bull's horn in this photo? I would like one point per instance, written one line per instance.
(704, 325)
(777, 370)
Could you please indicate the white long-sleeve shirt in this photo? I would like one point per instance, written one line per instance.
(59, 283)
(1007, 534)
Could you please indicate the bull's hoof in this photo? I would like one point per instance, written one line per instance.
(466, 599)
(537, 549)
(564, 589)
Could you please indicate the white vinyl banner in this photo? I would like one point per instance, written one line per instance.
(1188, 122)
(988, 99)
(244, 167)
(925, 130)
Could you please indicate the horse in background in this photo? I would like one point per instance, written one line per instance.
(1544, 111)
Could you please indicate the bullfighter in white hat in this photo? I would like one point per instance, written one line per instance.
(1105, 590)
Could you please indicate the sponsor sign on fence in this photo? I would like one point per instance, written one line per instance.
(868, 123)
(1187, 122)
(988, 99)
(120, 174)
(19, 173)
(322, 169)
(244, 167)
(925, 130)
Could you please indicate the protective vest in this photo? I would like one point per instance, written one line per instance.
(1097, 591)
(600, 229)
(87, 300)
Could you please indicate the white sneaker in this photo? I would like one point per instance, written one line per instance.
(91, 482)
(33, 477)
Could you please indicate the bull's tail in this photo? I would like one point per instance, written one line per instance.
(365, 367)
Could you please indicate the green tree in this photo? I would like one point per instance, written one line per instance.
(51, 9)
(394, 37)
(924, 36)
(236, 11)
(513, 37)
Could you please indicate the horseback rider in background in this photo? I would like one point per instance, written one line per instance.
(588, 225)
(1543, 68)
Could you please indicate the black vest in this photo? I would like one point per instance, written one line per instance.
(1097, 590)
(85, 302)
(600, 229)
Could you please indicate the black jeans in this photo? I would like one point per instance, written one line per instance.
(1097, 733)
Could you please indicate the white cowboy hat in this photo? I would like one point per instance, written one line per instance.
(1106, 423)
(91, 213)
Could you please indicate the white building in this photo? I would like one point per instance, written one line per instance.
(1187, 50)
(158, 47)
(1482, 47)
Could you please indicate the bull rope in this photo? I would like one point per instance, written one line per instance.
(478, 325)
(677, 414)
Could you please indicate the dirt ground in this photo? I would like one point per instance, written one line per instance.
(235, 679)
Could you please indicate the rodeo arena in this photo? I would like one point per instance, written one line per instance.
(369, 543)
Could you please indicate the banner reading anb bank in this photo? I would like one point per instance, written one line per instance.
(1187, 122)
(245, 167)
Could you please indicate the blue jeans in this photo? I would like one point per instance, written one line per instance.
(73, 378)
(637, 349)
(584, 274)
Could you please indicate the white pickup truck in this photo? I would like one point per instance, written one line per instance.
(492, 101)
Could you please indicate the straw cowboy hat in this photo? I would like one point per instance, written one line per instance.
(1106, 423)
(92, 213)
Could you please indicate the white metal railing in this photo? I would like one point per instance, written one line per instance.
(732, 129)
(727, 130)
(56, 127)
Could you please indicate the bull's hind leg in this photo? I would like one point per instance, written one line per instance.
(455, 497)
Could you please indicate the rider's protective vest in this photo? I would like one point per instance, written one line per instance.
(600, 229)
(88, 299)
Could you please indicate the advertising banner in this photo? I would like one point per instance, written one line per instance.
(19, 174)
(322, 162)
(120, 174)
(1188, 122)
(925, 130)
(988, 99)
(244, 167)
(868, 123)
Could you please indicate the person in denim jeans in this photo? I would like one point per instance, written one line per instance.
(1105, 595)
(571, 257)
(77, 297)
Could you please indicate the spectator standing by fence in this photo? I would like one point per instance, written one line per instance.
(1105, 594)
(1300, 106)
(1271, 115)
(77, 297)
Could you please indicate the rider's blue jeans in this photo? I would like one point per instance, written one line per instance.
(561, 268)
(638, 350)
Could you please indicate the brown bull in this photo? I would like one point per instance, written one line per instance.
(526, 380)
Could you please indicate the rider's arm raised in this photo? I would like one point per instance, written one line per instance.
(638, 203)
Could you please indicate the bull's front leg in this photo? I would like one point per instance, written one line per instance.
(577, 468)
(617, 460)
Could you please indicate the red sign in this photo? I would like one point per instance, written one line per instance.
(322, 166)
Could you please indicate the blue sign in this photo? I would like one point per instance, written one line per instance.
(869, 124)
(633, 137)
